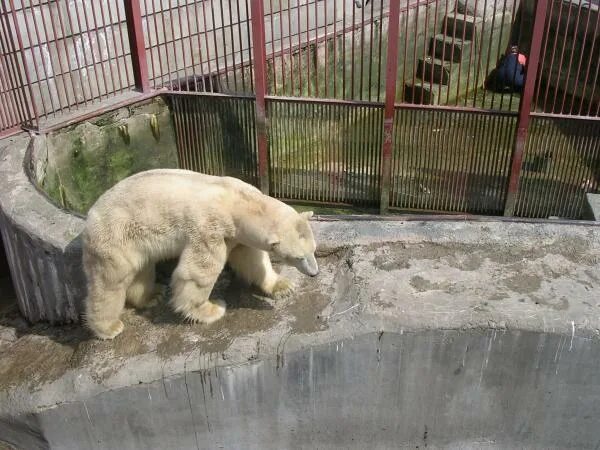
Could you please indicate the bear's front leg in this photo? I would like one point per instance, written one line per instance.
(193, 281)
(254, 267)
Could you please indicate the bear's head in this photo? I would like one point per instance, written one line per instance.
(295, 244)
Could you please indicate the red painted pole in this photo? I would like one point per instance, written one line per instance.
(260, 86)
(525, 106)
(390, 99)
(133, 16)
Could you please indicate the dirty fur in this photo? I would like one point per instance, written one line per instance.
(203, 220)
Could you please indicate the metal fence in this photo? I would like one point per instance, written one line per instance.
(391, 104)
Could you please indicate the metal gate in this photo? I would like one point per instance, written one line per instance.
(388, 104)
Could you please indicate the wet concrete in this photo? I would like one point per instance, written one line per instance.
(445, 335)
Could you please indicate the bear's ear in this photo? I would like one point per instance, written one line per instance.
(307, 214)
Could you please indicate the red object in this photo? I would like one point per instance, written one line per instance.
(137, 45)
(390, 97)
(525, 108)
(260, 87)
(522, 59)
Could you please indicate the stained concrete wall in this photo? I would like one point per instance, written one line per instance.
(436, 389)
(77, 164)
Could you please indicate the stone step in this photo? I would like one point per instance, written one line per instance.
(425, 93)
(434, 69)
(443, 72)
(444, 46)
(463, 26)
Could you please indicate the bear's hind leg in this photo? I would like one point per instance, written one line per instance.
(254, 267)
(143, 291)
(193, 281)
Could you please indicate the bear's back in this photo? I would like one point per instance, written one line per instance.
(171, 192)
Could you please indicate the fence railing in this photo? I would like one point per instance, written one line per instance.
(441, 130)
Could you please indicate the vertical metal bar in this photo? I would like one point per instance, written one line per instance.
(47, 65)
(554, 47)
(239, 26)
(208, 53)
(562, 54)
(576, 84)
(379, 53)
(316, 57)
(289, 16)
(188, 13)
(405, 56)
(155, 73)
(362, 51)
(166, 45)
(98, 68)
(221, 6)
(521, 20)
(570, 64)
(61, 73)
(182, 40)
(308, 48)
(249, 40)
(525, 106)
(260, 63)
(543, 56)
(476, 36)
(343, 50)
(273, 57)
(473, 45)
(590, 64)
(414, 58)
(390, 97)
(299, 23)
(114, 41)
(326, 63)
(371, 34)
(96, 25)
(231, 35)
(12, 76)
(352, 57)
(34, 109)
(174, 43)
(123, 54)
(133, 15)
(47, 109)
(334, 48)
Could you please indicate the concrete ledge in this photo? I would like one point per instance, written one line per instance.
(474, 335)
(41, 243)
(593, 206)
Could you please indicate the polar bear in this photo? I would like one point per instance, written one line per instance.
(205, 221)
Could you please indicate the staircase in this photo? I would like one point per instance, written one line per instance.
(450, 68)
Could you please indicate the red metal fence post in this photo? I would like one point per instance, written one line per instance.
(390, 99)
(525, 106)
(259, 52)
(135, 30)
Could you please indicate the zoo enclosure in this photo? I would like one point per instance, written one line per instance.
(347, 102)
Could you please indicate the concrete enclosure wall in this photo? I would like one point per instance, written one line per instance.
(434, 389)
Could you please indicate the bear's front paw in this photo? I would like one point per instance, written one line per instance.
(106, 331)
(282, 288)
(207, 312)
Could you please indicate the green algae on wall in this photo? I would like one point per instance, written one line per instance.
(84, 160)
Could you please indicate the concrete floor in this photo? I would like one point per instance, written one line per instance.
(446, 335)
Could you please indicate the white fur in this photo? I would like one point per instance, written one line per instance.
(204, 220)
